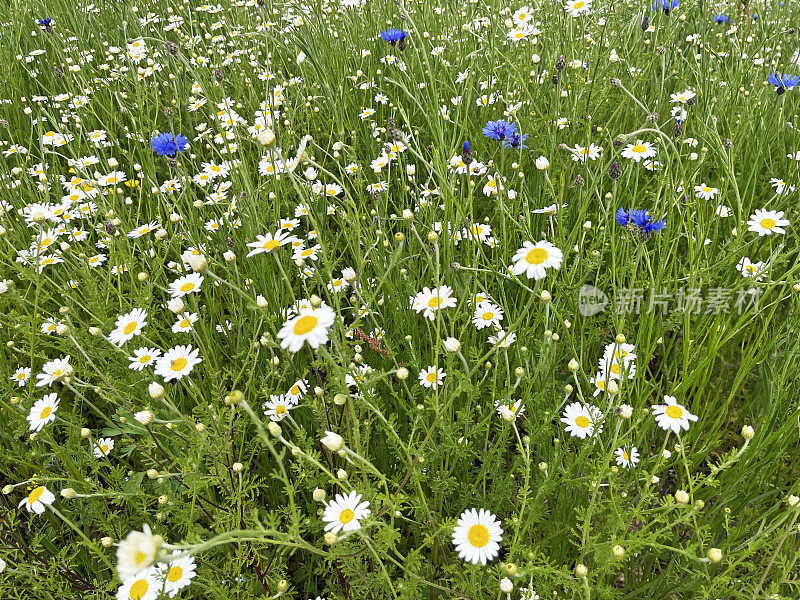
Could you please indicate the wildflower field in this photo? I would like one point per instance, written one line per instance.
(373, 299)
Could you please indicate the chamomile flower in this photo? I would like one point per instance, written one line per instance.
(509, 410)
(127, 326)
(102, 447)
(43, 412)
(345, 513)
(185, 285)
(21, 376)
(534, 259)
(639, 151)
(177, 362)
(672, 416)
(767, 222)
(137, 552)
(627, 457)
(477, 536)
(143, 357)
(269, 242)
(144, 586)
(38, 498)
(487, 315)
(184, 323)
(582, 421)
(277, 407)
(431, 378)
(575, 8)
(54, 370)
(310, 325)
(706, 192)
(751, 269)
(177, 573)
(430, 301)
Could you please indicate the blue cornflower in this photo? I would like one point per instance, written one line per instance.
(666, 5)
(515, 140)
(165, 144)
(46, 23)
(639, 219)
(623, 217)
(719, 19)
(499, 130)
(783, 82)
(393, 35)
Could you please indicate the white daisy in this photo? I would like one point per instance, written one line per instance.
(751, 269)
(627, 457)
(21, 376)
(767, 222)
(144, 586)
(310, 325)
(277, 407)
(177, 362)
(534, 259)
(43, 412)
(54, 370)
(102, 447)
(487, 315)
(137, 552)
(345, 513)
(37, 499)
(706, 192)
(430, 301)
(185, 285)
(672, 416)
(477, 536)
(127, 326)
(177, 573)
(582, 421)
(431, 378)
(143, 357)
(639, 151)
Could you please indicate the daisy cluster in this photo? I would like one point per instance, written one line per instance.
(296, 282)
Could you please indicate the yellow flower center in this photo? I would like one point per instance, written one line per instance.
(104, 448)
(145, 358)
(707, 189)
(582, 422)
(280, 409)
(639, 148)
(187, 287)
(615, 368)
(139, 589)
(434, 302)
(478, 535)
(271, 245)
(184, 323)
(35, 494)
(175, 573)
(536, 256)
(346, 516)
(130, 327)
(305, 324)
(179, 364)
(46, 412)
(579, 5)
(431, 377)
(140, 557)
(768, 223)
(674, 412)
(625, 456)
(487, 316)
(751, 268)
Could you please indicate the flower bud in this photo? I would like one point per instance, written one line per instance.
(581, 570)
(145, 417)
(68, 493)
(451, 345)
(331, 538)
(155, 389)
(237, 467)
(274, 429)
(682, 497)
(332, 441)
(506, 586)
(715, 554)
(402, 373)
(573, 365)
(318, 495)
(748, 432)
(618, 551)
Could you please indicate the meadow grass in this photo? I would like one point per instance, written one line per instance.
(368, 299)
